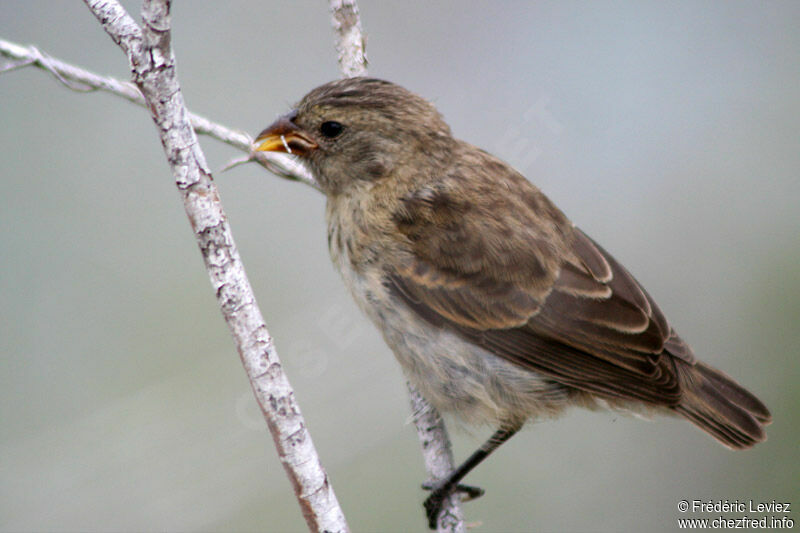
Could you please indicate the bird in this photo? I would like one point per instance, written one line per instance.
(498, 308)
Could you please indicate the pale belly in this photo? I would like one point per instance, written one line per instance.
(454, 375)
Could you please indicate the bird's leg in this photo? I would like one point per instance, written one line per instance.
(441, 490)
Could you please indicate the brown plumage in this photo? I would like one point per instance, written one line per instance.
(496, 306)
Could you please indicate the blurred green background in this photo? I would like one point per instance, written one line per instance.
(668, 131)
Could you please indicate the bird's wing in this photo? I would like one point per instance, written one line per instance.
(503, 267)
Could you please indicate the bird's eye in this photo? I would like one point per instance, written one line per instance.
(331, 129)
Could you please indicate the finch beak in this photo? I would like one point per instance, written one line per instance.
(283, 135)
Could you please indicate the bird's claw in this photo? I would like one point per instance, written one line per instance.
(433, 504)
(468, 492)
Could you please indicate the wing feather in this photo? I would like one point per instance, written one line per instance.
(534, 290)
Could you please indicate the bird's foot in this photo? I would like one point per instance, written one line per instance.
(468, 492)
(439, 492)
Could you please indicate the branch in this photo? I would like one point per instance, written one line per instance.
(350, 44)
(153, 70)
(438, 456)
(437, 452)
(82, 80)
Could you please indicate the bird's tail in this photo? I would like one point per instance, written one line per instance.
(718, 405)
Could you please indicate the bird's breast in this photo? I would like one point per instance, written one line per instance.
(348, 233)
(354, 248)
(453, 374)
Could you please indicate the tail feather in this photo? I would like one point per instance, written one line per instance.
(723, 408)
(734, 392)
(727, 435)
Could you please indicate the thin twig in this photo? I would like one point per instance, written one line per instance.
(437, 451)
(438, 456)
(153, 69)
(350, 45)
(350, 41)
(80, 79)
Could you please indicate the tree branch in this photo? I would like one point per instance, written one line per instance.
(437, 452)
(79, 79)
(350, 42)
(438, 456)
(153, 71)
(214, 238)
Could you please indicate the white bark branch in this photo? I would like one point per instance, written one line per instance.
(214, 237)
(79, 79)
(153, 70)
(438, 456)
(350, 41)
(437, 452)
